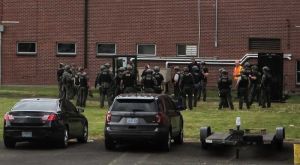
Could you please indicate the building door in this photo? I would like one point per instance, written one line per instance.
(275, 62)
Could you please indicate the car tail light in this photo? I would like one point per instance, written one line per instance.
(50, 117)
(8, 117)
(159, 118)
(108, 117)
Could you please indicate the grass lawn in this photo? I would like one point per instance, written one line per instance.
(281, 114)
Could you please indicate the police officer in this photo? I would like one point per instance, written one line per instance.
(60, 72)
(243, 84)
(204, 80)
(266, 82)
(186, 86)
(255, 78)
(118, 78)
(105, 81)
(160, 79)
(148, 82)
(176, 80)
(197, 83)
(224, 86)
(68, 83)
(193, 63)
(128, 82)
(79, 71)
(247, 68)
(82, 89)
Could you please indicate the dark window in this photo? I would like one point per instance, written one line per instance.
(66, 48)
(26, 48)
(103, 48)
(146, 49)
(264, 44)
(36, 106)
(134, 105)
(298, 72)
(186, 50)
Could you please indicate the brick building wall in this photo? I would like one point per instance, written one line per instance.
(127, 23)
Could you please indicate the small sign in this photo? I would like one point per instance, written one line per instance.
(238, 121)
(27, 134)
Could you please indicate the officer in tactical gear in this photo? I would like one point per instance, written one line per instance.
(128, 82)
(193, 63)
(83, 89)
(247, 69)
(255, 78)
(79, 71)
(266, 82)
(224, 86)
(105, 82)
(176, 80)
(204, 80)
(160, 79)
(243, 84)
(60, 72)
(197, 83)
(68, 83)
(118, 78)
(187, 86)
(148, 82)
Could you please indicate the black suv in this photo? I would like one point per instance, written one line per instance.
(143, 117)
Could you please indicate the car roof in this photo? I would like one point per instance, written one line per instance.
(39, 99)
(143, 96)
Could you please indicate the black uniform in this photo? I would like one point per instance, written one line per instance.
(117, 84)
(176, 85)
(266, 82)
(242, 87)
(224, 86)
(197, 75)
(187, 86)
(159, 78)
(82, 90)
(148, 83)
(105, 80)
(129, 82)
(255, 78)
(204, 83)
(190, 66)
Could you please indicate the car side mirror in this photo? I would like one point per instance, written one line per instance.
(80, 109)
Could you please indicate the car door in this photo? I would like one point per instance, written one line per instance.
(173, 115)
(70, 118)
(76, 119)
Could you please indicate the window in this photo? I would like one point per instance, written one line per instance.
(146, 49)
(66, 48)
(106, 49)
(26, 48)
(186, 50)
(264, 44)
(298, 73)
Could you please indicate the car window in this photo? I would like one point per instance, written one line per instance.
(134, 105)
(67, 106)
(36, 106)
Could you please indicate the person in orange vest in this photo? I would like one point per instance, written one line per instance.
(237, 70)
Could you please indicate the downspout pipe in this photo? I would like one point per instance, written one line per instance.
(1, 30)
(216, 24)
(199, 28)
(86, 21)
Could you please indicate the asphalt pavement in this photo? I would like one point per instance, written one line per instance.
(94, 153)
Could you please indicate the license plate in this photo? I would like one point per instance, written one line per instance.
(27, 134)
(132, 120)
(208, 141)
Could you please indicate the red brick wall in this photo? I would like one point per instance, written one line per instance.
(126, 23)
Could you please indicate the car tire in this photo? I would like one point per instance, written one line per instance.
(166, 143)
(63, 142)
(179, 138)
(9, 143)
(204, 133)
(85, 134)
(279, 137)
(109, 143)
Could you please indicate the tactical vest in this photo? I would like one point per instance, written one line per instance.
(267, 80)
(243, 82)
(197, 77)
(83, 81)
(224, 83)
(148, 81)
(187, 80)
(159, 78)
(128, 80)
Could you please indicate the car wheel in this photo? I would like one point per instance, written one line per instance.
(179, 138)
(85, 134)
(166, 144)
(204, 133)
(63, 143)
(109, 143)
(9, 143)
(279, 137)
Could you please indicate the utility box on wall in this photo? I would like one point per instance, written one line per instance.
(275, 62)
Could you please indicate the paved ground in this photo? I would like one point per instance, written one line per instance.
(93, 153)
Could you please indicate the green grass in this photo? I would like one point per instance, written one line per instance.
(206, 114)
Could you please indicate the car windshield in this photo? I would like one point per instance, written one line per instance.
(134, 105)
(35, 106)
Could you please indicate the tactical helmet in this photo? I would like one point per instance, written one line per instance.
(107, 65)
(129, 67)
(224, 71)
(185, 69)
(203, 63)
(176, 68)
(156, 69)
(67, 67)
(149, 71)
(247, 64)
(265, 68)
(195, 68)
(102, 67)
(254, 67)
(221, 70)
